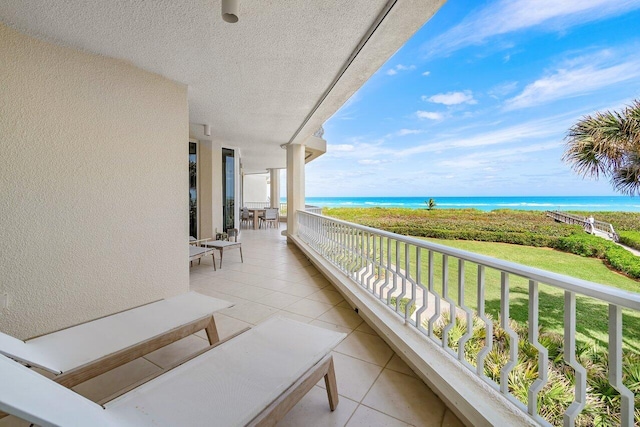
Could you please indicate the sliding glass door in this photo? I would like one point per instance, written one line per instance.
(228, 188)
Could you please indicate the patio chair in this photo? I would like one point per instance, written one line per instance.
(252, 379)
(197, 252)
(246, 217)
(84, 351)
(270, 217)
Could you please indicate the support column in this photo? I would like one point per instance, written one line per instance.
(295, 186)
(274, 189)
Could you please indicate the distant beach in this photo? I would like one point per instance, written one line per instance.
(569, 203)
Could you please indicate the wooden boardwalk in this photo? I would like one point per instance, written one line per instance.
(597, 228)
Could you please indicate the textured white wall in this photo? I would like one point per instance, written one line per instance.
(256, 188)
(93, 186)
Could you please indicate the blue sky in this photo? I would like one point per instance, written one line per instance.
(478, 101)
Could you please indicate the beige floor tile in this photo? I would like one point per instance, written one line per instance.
(332, 326)
(345, 304)
(405, 398)
(367, 417)
(313, 411)
(354, 377)
(226, 327)
(327, 295)
(177, 351)
(366, 329)
(249, 312)
(110, 382)
(219, 295)
(252, 293)
(12, 421)
(294, 316)
(342, 316)
(309, 308)
(279, 300)
(367, 347)
(398, 365)
(299, 290)
(450, 420)
(273, 284)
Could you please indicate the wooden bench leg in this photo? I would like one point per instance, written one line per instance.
(241, 259)
(332, 386)
(273, 413)
(212, 331)
(213, 258)
(221, 252)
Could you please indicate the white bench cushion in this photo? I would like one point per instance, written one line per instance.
(226, 386)
(237, 379)
(76, 346)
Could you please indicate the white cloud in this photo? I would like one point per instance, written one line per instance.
(426, 73)
(403, 132)
(532, 130)
(368, 162)
(578, 77)
(507, 16)
(452, 98)
(400, 67)
(340, 147)
(502, 89)
(431, 115)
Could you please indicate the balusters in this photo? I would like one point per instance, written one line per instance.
(513, 336)
(615, 366)
(579, 399)
(543, 353)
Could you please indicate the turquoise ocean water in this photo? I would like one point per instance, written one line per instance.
(582, 203)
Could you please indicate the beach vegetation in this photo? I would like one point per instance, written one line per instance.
(525, 228)
(603, 401)
(608, 144)
(630, 238)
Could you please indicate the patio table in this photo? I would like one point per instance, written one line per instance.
(256, 213)
(221, 245)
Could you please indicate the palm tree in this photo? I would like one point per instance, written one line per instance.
(608, 144)
(431, 204)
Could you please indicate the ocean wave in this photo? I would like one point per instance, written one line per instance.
(384, 204)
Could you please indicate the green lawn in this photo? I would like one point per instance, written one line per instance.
(591, 314)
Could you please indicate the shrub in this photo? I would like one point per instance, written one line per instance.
(630, 238)
(583, 244)
(403, 305)
(603, 402)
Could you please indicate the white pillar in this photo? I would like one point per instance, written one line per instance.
(274, 188)
(295, 185)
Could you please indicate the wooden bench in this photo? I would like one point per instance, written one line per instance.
(252, 379)
(84, 351)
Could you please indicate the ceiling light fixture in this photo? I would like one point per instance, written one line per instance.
(207, 130)
(230, 11)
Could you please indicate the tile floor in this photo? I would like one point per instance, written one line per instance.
(376, 387)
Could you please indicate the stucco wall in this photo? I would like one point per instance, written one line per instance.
(210, 181)
(93, 186)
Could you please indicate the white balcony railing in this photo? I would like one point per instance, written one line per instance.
(424, 283)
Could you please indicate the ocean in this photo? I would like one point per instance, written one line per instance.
(569, 203)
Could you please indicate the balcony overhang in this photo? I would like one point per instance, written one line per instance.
(272, 78)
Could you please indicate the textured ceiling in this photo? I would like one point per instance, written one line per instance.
(255, 82)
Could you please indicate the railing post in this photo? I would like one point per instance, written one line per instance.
(579, 400)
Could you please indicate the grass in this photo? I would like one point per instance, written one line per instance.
(592, 315)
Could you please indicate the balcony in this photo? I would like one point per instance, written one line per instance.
(421, 296)
(376, 387)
